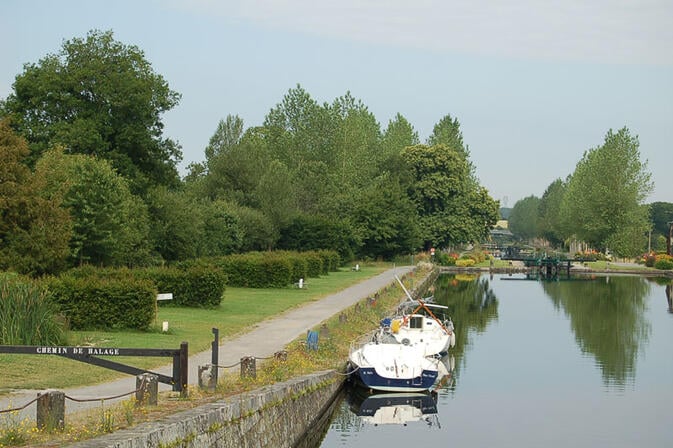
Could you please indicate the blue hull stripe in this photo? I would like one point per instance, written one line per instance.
(373, 380)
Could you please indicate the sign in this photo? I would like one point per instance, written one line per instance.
(166, 296)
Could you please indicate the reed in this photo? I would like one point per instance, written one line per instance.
(27, 315)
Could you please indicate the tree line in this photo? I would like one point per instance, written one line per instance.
(602, 203)
(87, 177)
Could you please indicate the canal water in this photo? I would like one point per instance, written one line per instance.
(581, 362)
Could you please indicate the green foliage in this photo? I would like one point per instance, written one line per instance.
(452, 208)
(602, 202)
(549, 222)
(257, 270)
(94, 302)
(309, 232)
(184, 227)
(34, 229)
(198, 286)
(99, 96)
(447, 132)
(110, 224)
(314, 265)
(663, 262)
(523, 221)
(387, 221)
(28, 316)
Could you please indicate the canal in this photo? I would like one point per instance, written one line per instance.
(582, 362)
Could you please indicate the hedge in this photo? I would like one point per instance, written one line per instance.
(105, 303)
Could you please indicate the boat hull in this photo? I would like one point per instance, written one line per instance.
(371, 379)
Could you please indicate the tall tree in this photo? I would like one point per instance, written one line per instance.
(523, 221)
(604, 197)
(398, 135)
(110, 224)
(34, 229)
(227, 135)
(549, 225)
(447, 132)
(452, 208)
(98, 96)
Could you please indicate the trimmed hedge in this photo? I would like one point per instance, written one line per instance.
(276, 269)
(199, 286)
(105, 303)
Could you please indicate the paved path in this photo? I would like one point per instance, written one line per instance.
(263, 340)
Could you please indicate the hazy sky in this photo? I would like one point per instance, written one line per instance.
(533, 83)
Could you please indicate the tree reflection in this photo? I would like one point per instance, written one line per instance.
(471, 303)
(608, 320)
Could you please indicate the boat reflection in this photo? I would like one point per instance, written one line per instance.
(394, 408)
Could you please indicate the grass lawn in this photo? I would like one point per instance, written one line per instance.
(240, 308)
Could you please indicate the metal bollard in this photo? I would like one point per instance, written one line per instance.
(147, 389)
(51, 410)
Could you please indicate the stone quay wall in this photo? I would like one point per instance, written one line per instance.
(273, 416)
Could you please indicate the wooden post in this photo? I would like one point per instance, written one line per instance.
(215, 355)
(147, 389)
(51, 410)
(248, 367)
(184, 369)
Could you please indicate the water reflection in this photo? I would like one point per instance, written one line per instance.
(608, 320)
(393, 408)
(471, 303)
(669, 299)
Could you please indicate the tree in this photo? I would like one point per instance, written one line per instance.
(34, 229)
(549, 225)
(100, 97)
(110, 224)
(661, 214)
(602, 203)
(398, 135)
(452, 208)
(447, 132)
(175, 223)
(227, 135)
(523, 221)
(387, 221)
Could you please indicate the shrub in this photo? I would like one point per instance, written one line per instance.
(200, 285)
(28, 315)
(105, 303)
(465, 262)
(663, 262)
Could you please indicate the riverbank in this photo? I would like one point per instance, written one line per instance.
(344, 311)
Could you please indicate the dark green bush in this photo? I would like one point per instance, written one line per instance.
(105, 303)
(315, 264)
(663, 264)
(200, 285)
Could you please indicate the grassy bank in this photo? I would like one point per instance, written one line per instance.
(241, 308)
(338, 332)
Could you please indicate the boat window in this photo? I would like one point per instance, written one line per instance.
(416, 322)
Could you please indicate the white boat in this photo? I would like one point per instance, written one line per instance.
(393, 367)
(415, 324)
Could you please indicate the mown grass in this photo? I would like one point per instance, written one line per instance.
(241, 308)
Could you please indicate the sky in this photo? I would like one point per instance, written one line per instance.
(533, 83)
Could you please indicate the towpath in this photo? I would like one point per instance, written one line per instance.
(262, 340)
